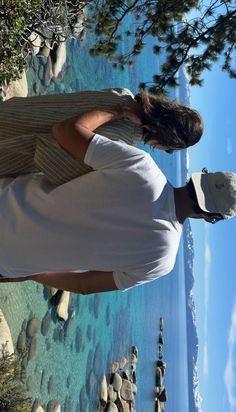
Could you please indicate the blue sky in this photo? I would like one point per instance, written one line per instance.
(215, 251)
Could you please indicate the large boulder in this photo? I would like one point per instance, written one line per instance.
(5, 335)
(58, 58)
(36, 42)
(17, 88)
(111, 407)
(112, 394)
(62, 308)
(159, 378)
(103, 391)
(126, 390)
(116, 381)
(122, 362)
(114, 366)
(122, 405)
(39, 409)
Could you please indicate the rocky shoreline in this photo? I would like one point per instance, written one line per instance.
(51, 47)
(119, 387)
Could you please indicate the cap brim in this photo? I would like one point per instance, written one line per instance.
(202, 190)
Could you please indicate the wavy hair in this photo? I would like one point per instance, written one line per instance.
(174, 125)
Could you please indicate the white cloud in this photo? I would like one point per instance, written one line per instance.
(230, 369)
(229, 148)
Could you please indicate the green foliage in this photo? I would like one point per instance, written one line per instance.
(13, 396)
(52, 20)
(197, 42)
(16, 17)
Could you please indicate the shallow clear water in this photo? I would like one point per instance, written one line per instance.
(70, 357)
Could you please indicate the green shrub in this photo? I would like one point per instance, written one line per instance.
(13, 395)
(16, 18)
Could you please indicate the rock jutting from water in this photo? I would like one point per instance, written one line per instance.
(118, 389)
(5, 336)
(161, 394)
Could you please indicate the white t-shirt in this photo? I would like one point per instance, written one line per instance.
(119, 218)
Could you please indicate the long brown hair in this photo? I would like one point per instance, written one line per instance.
(176, 126)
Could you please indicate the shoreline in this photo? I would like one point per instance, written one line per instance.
(17, 88)
(6, 341)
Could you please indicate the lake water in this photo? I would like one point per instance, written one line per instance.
(70, 357)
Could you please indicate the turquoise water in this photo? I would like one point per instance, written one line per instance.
(70, 357)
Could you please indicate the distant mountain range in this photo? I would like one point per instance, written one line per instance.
(192, 344)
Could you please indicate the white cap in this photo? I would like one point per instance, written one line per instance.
(216, 192)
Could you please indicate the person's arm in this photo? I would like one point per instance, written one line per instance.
(84, 283)
(76, 133)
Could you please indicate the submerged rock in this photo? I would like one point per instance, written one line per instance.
(68, 323)
(21, 342)
(98, 360)
(68, 381)
(56, 334)
(89, 332)
(108, 315)
(32, 348)
(89, 364)
(50, 385)
(91, 385)
(48, 72)
(29, 382)
(78, 340)
(33, 327)
(53, 406)
(83, 400)
(46, 323)
(68, 405)
(96, 305)
(43, 379)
